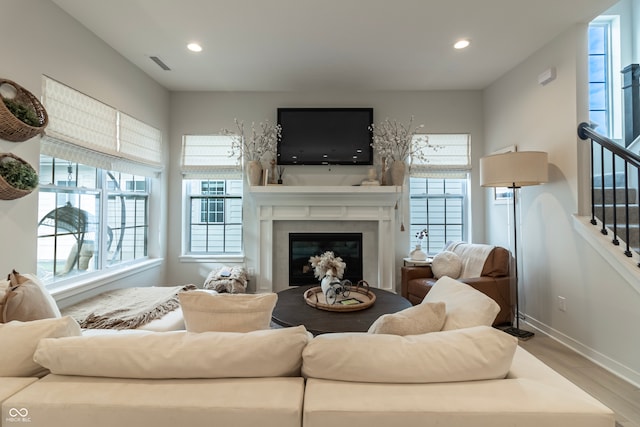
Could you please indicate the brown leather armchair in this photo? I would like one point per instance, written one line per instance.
(494, 281)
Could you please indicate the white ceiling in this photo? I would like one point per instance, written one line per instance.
(293, 45)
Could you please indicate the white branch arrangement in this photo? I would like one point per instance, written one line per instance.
(327, 263)
(257, 144)
(395, 141)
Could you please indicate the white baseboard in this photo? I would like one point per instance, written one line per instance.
(616, 368)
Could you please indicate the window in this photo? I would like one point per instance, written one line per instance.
(439, 205)
(438, 198)
(604, 76)
(215, 208)
(599, 70)
(73, 200)
(95, 169)
(212, 185)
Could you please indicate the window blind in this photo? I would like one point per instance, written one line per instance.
(79, 119)
(204, 156)
(84, 130)
(139, 141)
(448, 156)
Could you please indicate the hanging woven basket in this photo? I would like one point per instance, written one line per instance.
(8, 191)
(11, 127)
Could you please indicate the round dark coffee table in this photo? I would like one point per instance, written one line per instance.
(292, 310)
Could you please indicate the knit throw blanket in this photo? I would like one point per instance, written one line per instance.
(473, 257)
(127, 308)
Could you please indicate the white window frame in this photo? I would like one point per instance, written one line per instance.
(99, 260)
(207, 157)
(86, 131)
(614, 75)
(443, 162)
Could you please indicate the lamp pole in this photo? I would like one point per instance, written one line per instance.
(516, 331)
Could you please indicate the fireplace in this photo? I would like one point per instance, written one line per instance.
(302, 246)
(285, 209)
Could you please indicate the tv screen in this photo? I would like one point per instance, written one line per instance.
(325, 136)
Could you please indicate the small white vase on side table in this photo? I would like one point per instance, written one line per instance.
(418, 254)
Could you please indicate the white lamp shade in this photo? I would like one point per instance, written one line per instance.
(514, 169)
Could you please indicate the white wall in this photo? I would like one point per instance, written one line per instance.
(39, 38)
(601, 305)
(205, 113)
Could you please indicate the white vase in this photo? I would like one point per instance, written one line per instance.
(398, 170)
(254, 172)
(418, 254)
(326, 282)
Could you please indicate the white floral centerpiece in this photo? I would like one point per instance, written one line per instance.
(327, 264)
(252, 148)
(327, 268)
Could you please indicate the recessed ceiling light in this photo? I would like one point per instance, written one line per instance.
(461, 44)
(194, 47)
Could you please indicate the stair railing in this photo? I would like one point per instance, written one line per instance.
(620, 156)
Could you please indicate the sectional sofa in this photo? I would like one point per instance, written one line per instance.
(464, 373)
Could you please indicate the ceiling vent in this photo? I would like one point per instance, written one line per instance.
(160, 63)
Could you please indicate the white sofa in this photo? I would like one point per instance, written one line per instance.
(436, 364)
(284, 377)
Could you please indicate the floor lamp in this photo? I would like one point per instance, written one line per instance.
(514, 170)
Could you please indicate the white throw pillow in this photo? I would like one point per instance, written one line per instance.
(419, 319)
(479, 353)
(226, 312)
(178, 354)
(466, 307)
(4, 285)
(446, 263)
(25, 299)
(20, 339)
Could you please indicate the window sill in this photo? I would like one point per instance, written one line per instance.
(212, 258)
(92, 281)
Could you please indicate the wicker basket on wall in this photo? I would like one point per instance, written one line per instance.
(12, 128)
(8, 191)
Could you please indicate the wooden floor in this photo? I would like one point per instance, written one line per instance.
(620, 396)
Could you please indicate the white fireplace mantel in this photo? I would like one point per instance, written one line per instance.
(326, 203)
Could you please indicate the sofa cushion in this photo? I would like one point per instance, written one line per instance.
(227, 312)
(469, 354)
(531, 395)
(446, 263)
(11, 385)
(178, 354)
(72, 401)
(419, 319)
(20, 339)
(27, 299)
(466, 307)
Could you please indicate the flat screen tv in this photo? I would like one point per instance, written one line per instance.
(325, 136)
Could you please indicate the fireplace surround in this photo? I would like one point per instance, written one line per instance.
(367, 209)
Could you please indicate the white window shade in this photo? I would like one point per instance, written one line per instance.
(139, 141)
(206, 155)
(63, 150)
(448, 156)
(79, 119)
(87, 131)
